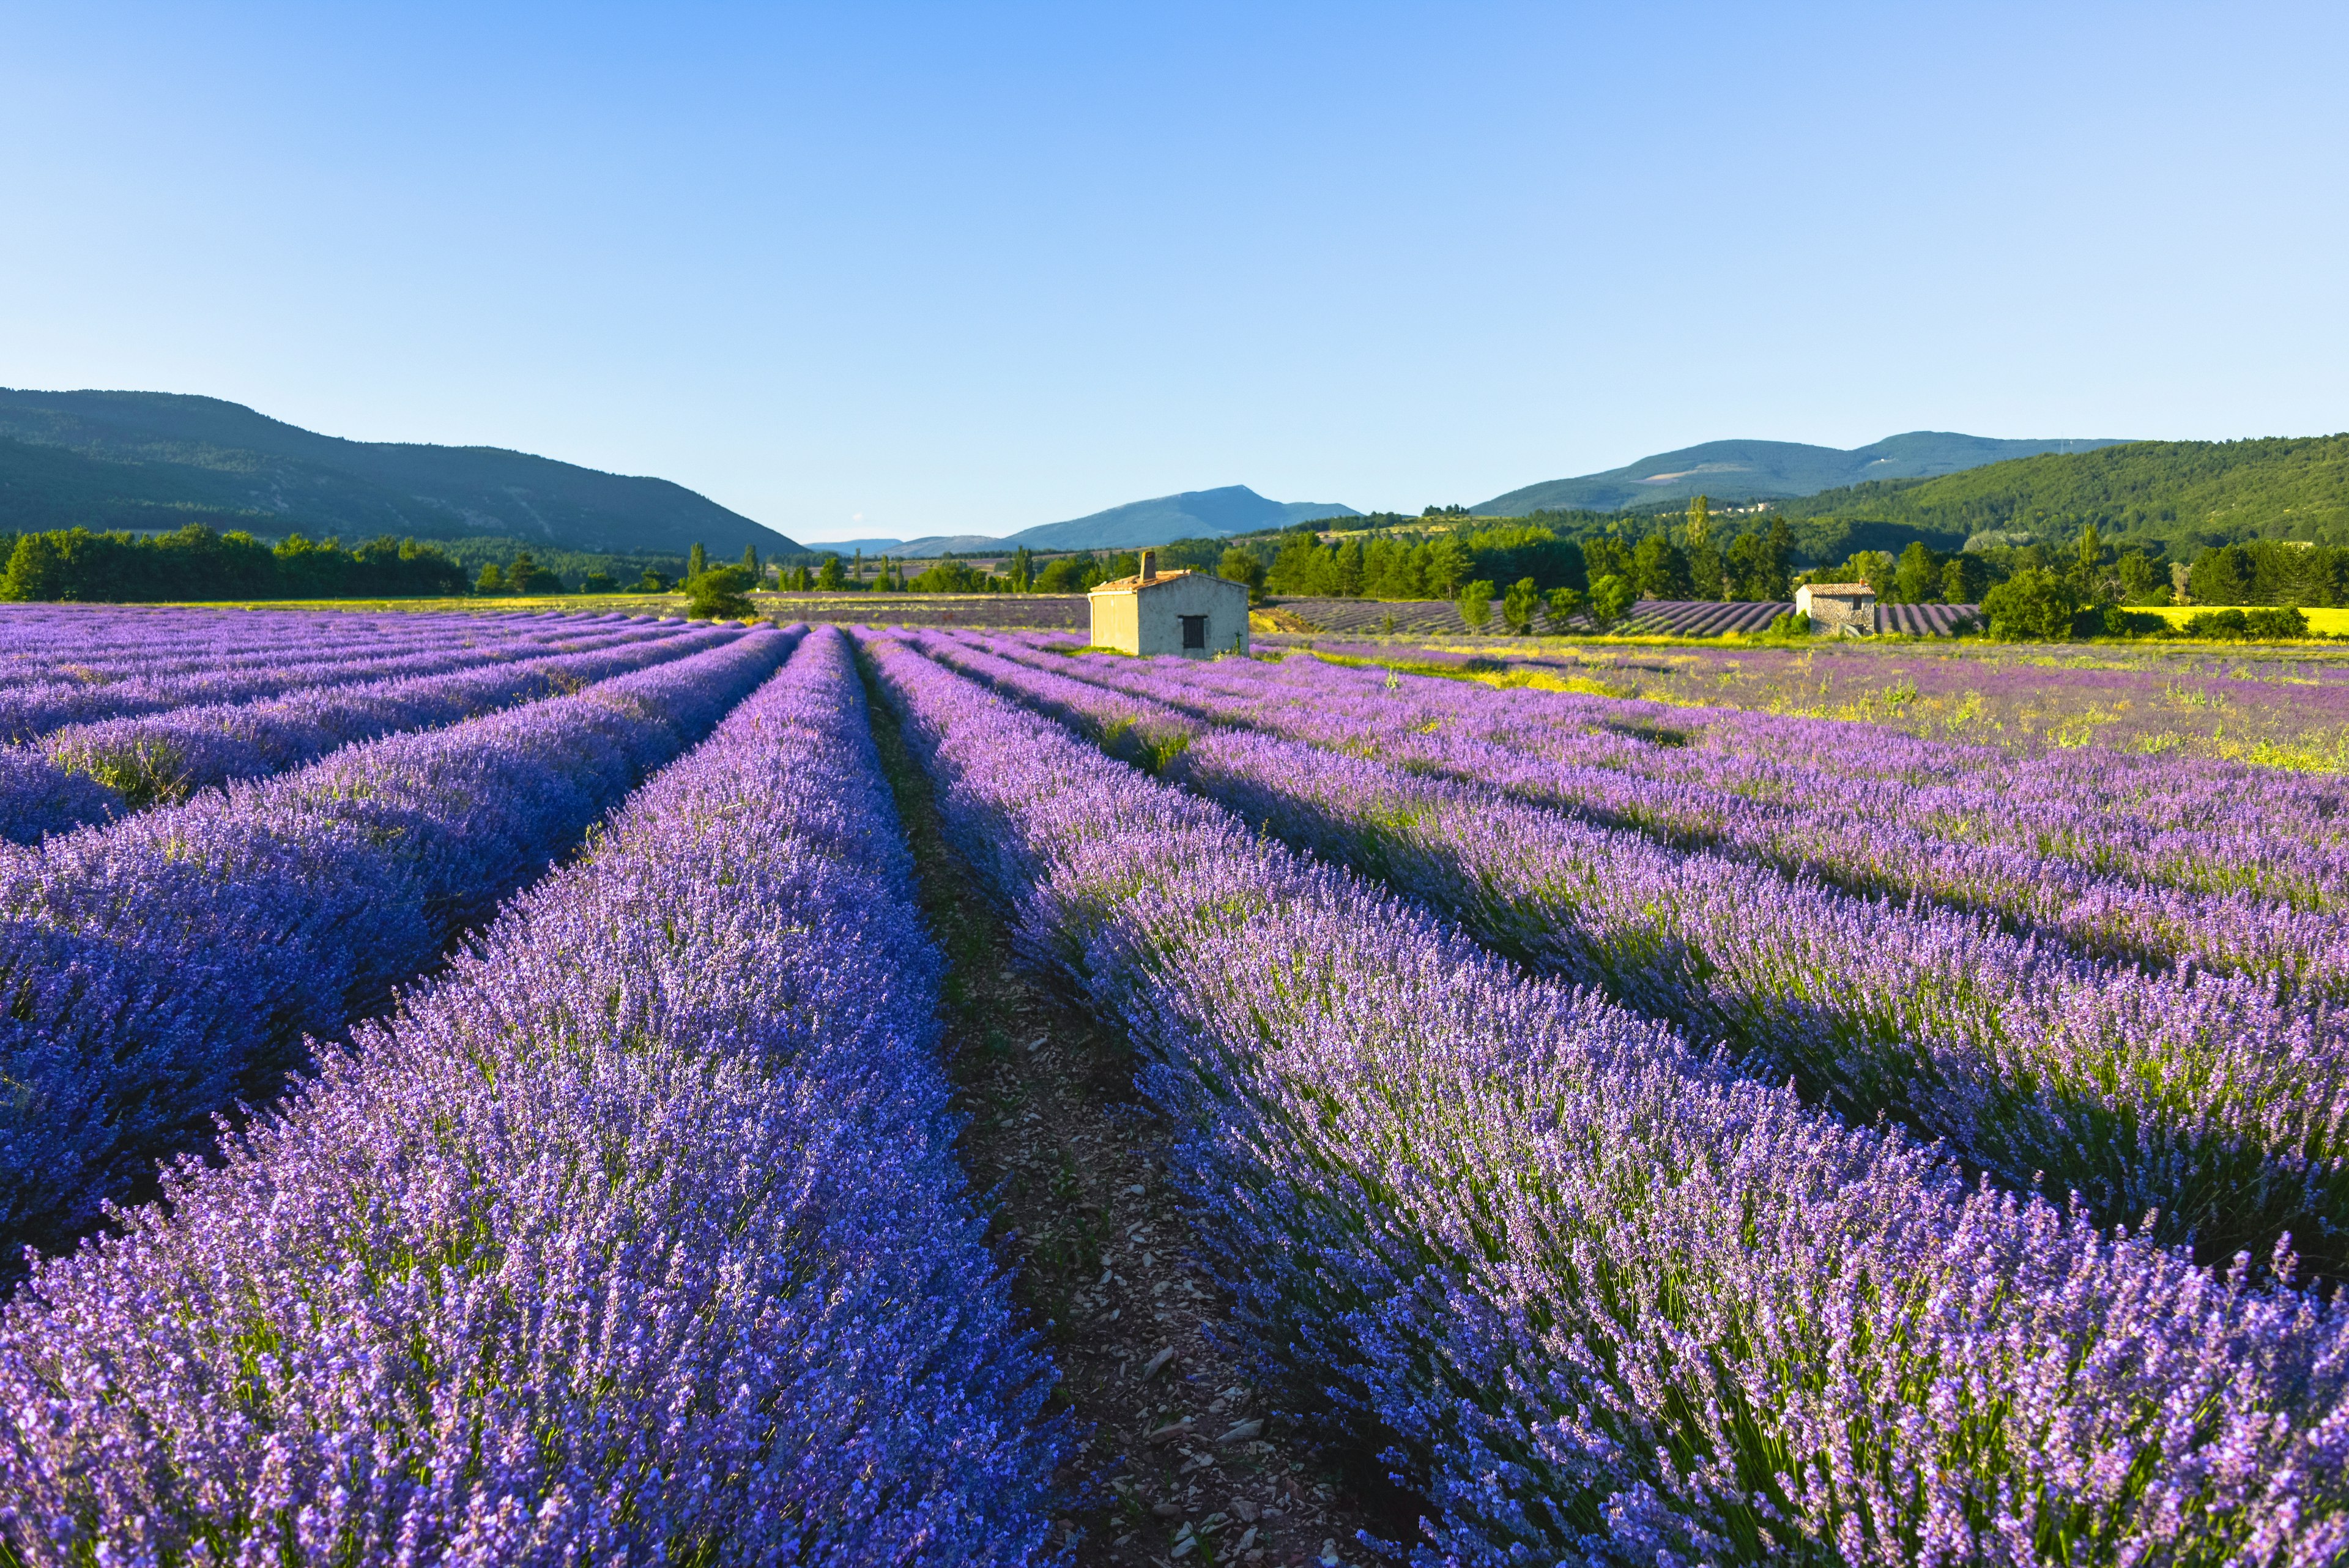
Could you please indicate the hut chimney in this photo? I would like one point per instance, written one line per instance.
(1149, 565)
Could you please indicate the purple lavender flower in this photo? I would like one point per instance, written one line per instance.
(637, 1237)
(1596, 1295)
(168, 966)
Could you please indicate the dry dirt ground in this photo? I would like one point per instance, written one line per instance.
(1182, 1461)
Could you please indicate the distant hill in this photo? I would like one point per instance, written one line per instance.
(1756, 470)
(158, 460)
(1193, 515)
(936, 545)
(2189, 493)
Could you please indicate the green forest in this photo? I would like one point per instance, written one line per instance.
(74, 565)
(2187, 496)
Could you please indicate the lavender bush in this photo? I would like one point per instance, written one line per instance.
(2196, 1100)
(85, 691)
(166, 966)
(637, 1237)
(166, 756)
(1738, 802)
(1597, 1297)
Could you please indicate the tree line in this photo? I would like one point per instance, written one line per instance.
(74, 565)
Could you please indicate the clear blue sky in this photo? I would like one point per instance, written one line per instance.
(897, 270)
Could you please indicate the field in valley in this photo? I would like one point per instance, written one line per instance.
(582, 1083)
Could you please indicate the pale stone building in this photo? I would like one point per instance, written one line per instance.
(1837, 609)
(1188, 613)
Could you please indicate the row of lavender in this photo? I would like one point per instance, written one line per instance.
(163, 671)
(1650, 617)
(40, 640)
(89, 772)
(2199, 1099)
(1739, 798)
(31, 709)
(166, 966)
(1595, 1294)
(2194, 823)
(638, 1236)
(95, 644)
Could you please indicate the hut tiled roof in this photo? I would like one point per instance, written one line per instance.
(1127, 585)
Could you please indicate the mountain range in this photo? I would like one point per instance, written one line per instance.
(1193, 515)
(1755, 469)
(158, 460)
(2186, 494)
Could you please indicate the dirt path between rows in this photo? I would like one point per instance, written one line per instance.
(1188, 1464)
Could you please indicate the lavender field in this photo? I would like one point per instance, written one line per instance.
(573, 1088)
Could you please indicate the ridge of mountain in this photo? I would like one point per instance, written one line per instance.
(106, 459)
(2188, 493)
(1757, 469)
(1190, 514)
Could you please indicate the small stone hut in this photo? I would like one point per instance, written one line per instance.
(1188, 613)
(1837, 609)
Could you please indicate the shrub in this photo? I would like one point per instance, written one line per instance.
(719, 594)
(1612, 598)
(1476, 604)
(2033, 604)
(2218, 623)
(1520, 604)
(2276, 625)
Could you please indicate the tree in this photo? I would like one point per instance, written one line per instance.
(1660, 569)
(492, 580)
(1239, 565)
(697, 561)
(2034, 604)
(1964, 577)
(526, 576)
(750, 572)
(1612, 598)
(1705, 564)
(1917, 579)
(37, 570)
(1565, 604)
(1447, 566)
(598, 583)
(2140, 578)
(2090, 554)
(652, 582)
(2221, 575)
(829, 576)
(1023, 569)
(1521, 604)
(719, 594)
(1476, 604)
(1606, 557)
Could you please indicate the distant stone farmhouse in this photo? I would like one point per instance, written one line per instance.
(1837, 609)
(1188, 613)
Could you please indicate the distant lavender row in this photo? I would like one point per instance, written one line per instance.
(1650, 617)
(167, 756)
(1506, 739)
(2196, 1095)
(2202, 824)
(1593, 1297)
(639, 1238)
(102, 642)
(154, 659)
(2157, 794)
(27, 712)
(165, 967)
